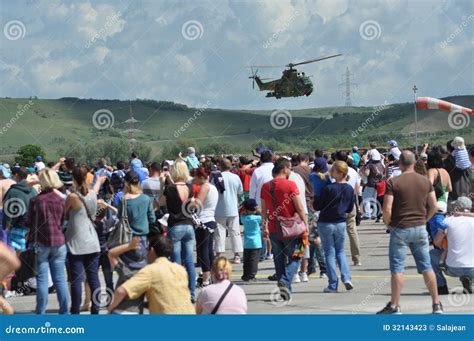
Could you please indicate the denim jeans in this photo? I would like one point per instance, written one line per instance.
(316, 256)
(51, 259)
(332, 237)
(78, 264)
(183, 239)
(435, 255)
(369, 196)
(415, 238)
(286, 265)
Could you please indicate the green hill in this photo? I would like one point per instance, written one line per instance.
(61, 125)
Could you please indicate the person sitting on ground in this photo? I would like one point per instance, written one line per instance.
(165, 284)
(460, 253)
(222, 297)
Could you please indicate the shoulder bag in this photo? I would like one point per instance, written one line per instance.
(122, 232)
(287, 228)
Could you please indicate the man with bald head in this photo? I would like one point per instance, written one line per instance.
(409, 203)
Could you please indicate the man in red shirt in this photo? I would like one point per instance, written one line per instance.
(288, 203)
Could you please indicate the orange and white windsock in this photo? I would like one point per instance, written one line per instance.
(434, 103)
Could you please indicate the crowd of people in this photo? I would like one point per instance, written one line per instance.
(155, 224)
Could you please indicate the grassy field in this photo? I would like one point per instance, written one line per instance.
(57, 123)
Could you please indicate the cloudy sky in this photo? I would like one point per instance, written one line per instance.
(195, 51)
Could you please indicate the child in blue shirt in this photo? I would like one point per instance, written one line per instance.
(435, 224)
(251, 220)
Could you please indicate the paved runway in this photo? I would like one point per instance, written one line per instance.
(371, 281)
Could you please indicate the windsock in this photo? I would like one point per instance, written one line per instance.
(434, 103)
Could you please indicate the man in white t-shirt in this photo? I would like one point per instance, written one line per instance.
(227, 212)
(354, 181)
(460, 250)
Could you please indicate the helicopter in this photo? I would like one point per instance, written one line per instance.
(292, 83)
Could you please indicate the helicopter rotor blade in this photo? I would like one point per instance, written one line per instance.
(312, 60)
(264, 66)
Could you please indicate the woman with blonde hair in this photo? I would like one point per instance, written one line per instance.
(178, 198)
(337, 200)
(45, 219)
(221, 297)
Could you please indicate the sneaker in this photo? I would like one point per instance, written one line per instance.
(296, 278)
(273, 277)
(236, 260)
(329, 290)
(269, 256)
(203, 284)
(349, 285)
(303, 276)
(323, 275)
(466, 284)
(390, 310)
(358, 263)
(377, 220)
(438, 308)
(247, 279)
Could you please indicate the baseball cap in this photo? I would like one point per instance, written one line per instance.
(39, 158)
(392, 143)
(355, 148)
(191, 150)
(320, 165)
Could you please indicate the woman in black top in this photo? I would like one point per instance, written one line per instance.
(177, 196)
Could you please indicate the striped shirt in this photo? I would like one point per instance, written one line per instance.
(462, 158)
(393, 170)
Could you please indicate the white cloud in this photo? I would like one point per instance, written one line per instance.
(111, 49)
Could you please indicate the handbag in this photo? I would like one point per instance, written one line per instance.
(122, 232)
(287, 228)
(29, 257)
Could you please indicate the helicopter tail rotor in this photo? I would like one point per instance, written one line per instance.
(254, 75)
